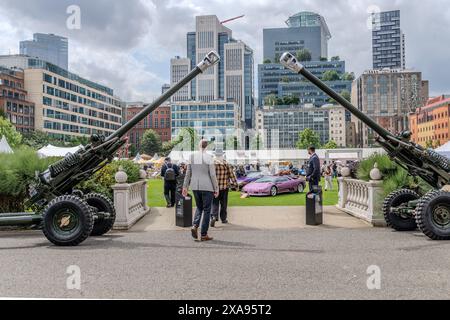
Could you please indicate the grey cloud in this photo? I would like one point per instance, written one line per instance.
(105, 23)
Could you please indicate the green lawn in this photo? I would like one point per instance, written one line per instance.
(156, 198)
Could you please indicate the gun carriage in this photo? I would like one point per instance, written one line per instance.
(67, 216)
(404, 209)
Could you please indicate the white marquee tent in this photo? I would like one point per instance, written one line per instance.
(52, 151)
(444, 150)
(4, 146)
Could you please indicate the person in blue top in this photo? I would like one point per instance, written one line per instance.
(313, 173)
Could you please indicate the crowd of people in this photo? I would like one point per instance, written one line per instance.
(211, 177)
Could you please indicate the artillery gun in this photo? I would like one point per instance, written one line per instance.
(67, 216)
(404, 209)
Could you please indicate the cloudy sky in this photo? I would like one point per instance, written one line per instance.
(127, 44)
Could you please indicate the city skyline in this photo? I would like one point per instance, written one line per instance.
(121, 59)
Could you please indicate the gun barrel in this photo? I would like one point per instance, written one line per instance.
(291, 62)
(210, 60)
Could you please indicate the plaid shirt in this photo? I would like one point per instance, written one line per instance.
(225, 175)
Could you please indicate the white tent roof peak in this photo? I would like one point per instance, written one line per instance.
(52, 151)
(4, 146)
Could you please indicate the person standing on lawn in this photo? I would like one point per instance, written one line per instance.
(201, 177)
(328, 174)
(313, 173)
(170, 172)
(226, 179)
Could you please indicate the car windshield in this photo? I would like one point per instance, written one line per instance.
(266, 180)
(254, 175)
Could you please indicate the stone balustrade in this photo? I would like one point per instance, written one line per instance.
(130, 201)
(363, 199)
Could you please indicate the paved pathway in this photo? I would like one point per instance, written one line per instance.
(250, 259)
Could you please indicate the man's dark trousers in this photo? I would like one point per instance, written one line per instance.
(170, 188)
(313, 183)
(222, 202)
(204, 201)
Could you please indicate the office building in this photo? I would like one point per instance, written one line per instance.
(340, 130)
(430, 125)
(47, 47)
(159, 121)
(231, 81)
(14, 103)
(66, 105)
(387, 96)
(275, 79)
(179, 68)
(208, 118)
(388, 41)
(305, 30)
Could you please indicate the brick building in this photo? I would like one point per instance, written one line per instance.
(13, 100)
(431, 124)
(159, 121)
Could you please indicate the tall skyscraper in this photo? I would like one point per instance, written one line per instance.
(388, 41)
(47, 47)
(306, 30)
(230, 81)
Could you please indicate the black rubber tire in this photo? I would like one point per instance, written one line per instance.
(104, 204)
(395, 199)
(425, 212)
(82, 228)
(271, 191)
(302, 188)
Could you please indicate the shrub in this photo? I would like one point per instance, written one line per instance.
(394, 176)
(104, 179)
(17, 171)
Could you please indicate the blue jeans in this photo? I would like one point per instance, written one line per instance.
(204, 201)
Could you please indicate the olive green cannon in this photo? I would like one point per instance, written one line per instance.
(403, 209)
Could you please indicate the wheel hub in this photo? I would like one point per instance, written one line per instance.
(441, 215)
(65, 221)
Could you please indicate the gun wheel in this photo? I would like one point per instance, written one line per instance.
(433, 215)
(395, 209)
(67, 221)
(102, 204)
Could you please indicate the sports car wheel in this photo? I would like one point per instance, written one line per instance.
(273, 191)
(300, 188)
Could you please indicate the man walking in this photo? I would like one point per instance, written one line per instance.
(226, 179)
(313, 173)
(170, 172)
(201, 177)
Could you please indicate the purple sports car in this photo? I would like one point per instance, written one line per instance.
(272, 186)
(251, 177)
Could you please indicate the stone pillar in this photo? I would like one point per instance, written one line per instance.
(376, 198)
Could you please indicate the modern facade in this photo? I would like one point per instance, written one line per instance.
(229, 81)
(47, 47)
(305, 30)
(275, 79)
(13, 100)
(66, 105)
(340, 130)
(159, 121)
(208, 118)
(179, 68)
(388, 41)
(287, 122)
(387, 96)
(430, 125)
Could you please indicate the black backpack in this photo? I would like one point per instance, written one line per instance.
(170, 174)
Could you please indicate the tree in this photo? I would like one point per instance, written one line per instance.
(335, 58)
(323, 59)
(267, 61)
(330, 145)
(151, 143)
(270, 100)
(285, 79)
(304, 55)
(330, 75)
(429, 144)
(233, 143)
(307, 138)
(290, 100)
(345, 94)
(8, 130)
(348, 76)
(258, 142)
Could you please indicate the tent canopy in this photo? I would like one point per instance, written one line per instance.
(52, 151)
(4, 146)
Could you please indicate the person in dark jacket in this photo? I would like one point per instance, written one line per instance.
(313, 174)
(170, 172)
